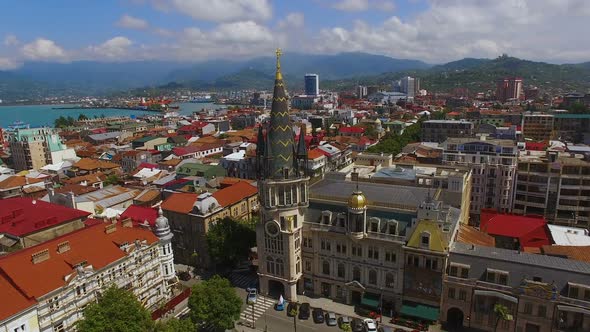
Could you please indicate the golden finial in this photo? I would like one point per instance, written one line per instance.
(279, 76)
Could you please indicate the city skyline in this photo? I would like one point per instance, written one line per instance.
(180, 30)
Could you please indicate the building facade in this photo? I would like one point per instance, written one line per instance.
(33, 148)
(554, 185)
(509, 88)
(440, 130)
(493, 163)
(312, 84)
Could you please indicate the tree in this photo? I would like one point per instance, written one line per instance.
(215, 302)
(112, 179)
(175, 325)
(82, 117)
(116, 310)
(230, 240)
(502, 313)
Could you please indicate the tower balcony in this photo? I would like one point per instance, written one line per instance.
(356, 235)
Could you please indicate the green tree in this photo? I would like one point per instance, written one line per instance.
(112, 179)
(116, 310)
(82, 117)
(230, 240)
(394, 144)
(502, 313)
(215, 302)
(175, 325)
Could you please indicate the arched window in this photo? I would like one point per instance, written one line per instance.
(372, 277)
(280, 267)
(326, 267)
(389, 280)
(356, 274)
(270, 265)
(341, 271)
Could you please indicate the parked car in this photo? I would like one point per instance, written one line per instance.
(370, 325)
(304, 310)
(343, 321)
(251, 298)
(357, 325)
(292, 309)
(331, 319)
(318, 315)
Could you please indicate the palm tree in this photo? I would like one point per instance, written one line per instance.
(502, 313)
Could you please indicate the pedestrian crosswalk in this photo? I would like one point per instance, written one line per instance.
(262, 305)
(244, 279)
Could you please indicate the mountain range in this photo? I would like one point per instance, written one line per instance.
(36, 80)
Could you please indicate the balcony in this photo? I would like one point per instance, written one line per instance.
(576, 302)
(386, 237)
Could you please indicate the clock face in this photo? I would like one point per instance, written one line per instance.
(272, 228)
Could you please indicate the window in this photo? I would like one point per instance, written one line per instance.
(53, 304)
(528, 308)
(372, 277)
(451, 293)
(453, 271)
(341, 271)
(542, 311)
(503, 279)
(341, 248)
(587, 295)
(389, 280)
(270, 265)
(307, 242)
(307, 266)
(326, 267)
(280, 267)
(465, 273)
(425, 239)
(59, 327)
(462, 295)
(374, 253)
(325, 245)
(573, 292)
(390, 257)
(356, 274)
(357, 251)
(537, 279)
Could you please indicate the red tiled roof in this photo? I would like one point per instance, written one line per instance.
(233, 194)
(15, 181)
(536, 146)
(21, 216)
(139, 214)
(531, 231)
(352, 130)
(92, 164)
(180, 202)
(18, 301)
(19, 269)
(315, 154)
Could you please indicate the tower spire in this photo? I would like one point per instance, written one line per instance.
(279, 75)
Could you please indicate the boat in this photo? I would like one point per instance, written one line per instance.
(18, 125)
(202, 99)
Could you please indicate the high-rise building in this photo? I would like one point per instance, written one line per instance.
(282, 187)
(312, 84)
(33, 148)
(361, 91)
(509, 88)
(408, 86)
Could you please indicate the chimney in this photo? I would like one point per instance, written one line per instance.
(63, 247)
(127, 223)
(71, 200)
(51, 193)
(40, 256)
(110, 228)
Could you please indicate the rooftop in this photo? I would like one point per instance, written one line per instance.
(531, 231)
(569, 236)
(15, 181)
(140, 214)
(235, 193)
(22, 216)
(89, 164)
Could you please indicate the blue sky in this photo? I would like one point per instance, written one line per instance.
(192, 30)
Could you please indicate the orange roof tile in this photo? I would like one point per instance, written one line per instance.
(17, 181)
(89, 178)
(314, 154)
(233, 194)
(19, 269)
(180, 202)
(18, 301)
(579, 253)
(90, 164)
(470, 235)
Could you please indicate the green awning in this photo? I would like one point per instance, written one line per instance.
(420, 311)
(370, 300)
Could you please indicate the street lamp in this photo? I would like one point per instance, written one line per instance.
(253, 323)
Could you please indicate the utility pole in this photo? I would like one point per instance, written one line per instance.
(295, 322)
(253, 325)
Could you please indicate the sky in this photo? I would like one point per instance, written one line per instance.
(434, 31)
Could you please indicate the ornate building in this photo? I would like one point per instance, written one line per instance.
(282, 187)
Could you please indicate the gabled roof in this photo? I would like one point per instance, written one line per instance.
(15, 181)
(470, 235)
(233, 194)
(315, 154)
(89, 164)
(351, 130)
(89, 178)
(437, 242)
(531, 231)
(140, 214)
(180, 202)
(19, 269)
(21, 216)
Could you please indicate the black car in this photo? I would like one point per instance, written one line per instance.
(318, 315)
(304, 311)
(357, 325)
(292, 309)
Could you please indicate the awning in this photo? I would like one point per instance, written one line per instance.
(573, 309)
(370, 300)
(496, 294)
(420, 311)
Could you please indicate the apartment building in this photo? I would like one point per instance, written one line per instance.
(75, 274)
(542, 293)
(33, 148)
(493, 163)
(555, 185)
(440, 130)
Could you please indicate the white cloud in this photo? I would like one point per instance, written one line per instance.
(8, 64)
(11, 40)
(362, 5)
(43, 49)
(115, 48)
(292, 20)
(219, 10)
(131, 22)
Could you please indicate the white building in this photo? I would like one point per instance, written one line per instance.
(75, 273)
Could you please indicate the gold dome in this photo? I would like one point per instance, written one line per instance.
(357, 200)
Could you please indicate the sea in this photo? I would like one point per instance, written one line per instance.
(45, 115)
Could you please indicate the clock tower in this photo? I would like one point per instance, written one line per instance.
(283, 195)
